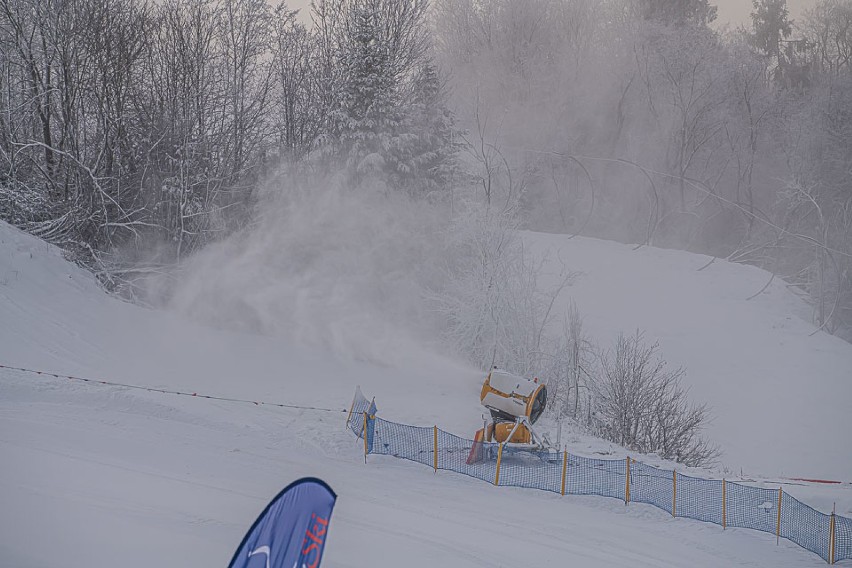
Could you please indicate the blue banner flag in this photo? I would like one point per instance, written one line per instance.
(371, 425)
(291, 531)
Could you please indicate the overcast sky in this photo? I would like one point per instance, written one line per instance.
(737, 11)
(730, 11)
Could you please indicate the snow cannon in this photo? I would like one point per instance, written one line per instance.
(515, 404)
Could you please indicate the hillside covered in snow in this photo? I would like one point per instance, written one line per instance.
(103, 472)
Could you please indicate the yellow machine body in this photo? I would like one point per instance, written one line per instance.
(502, 430)
(509, 397)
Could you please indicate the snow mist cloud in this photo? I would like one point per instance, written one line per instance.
(323, 265)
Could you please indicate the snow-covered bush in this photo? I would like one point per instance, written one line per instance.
(641, 405)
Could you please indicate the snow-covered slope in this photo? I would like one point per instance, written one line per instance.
(94, 475)
(780, 391)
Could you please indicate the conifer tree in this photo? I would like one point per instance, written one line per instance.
(424, 155)
(368, 114)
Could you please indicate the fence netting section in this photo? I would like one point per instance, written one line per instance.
(699, 499)
(476, 459)
(360, 405)
(651, 485)
(520, 467)
(805, 526)
(402, 441)
(590, 476)
(842, 538)
(752, 507)
(724, 503)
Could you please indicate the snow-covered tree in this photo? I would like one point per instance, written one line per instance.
(422, 158)
(390, 122)
(641, 405)
(369, 115)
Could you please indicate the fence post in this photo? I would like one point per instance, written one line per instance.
(349, 416)
(435, 432)
(564, 468)
(364, 432)
(499, 459)
(627, 483)
(674, 493)
(832, 539)
(778, 525)
(724, 506)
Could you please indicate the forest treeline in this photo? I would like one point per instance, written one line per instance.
(639, 121)
(129, 126)
(126, 123)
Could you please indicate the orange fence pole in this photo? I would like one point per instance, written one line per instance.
(674, 493)
(724, 507)
(564, 468)
(499, 459)
(832, 539)
(778, 525)
(436, 448)
(627, 484)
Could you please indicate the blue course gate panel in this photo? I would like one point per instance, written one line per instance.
(699, 499)
(651, 485)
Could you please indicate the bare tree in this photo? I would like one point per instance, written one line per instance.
(568, 367)
(298, 108)
(828, 28)
(641, 405)
(244, 36)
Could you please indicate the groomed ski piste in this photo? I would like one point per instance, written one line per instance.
(100, 475)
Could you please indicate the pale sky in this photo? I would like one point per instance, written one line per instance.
(737, 12)
(303, 6)
(733, 12)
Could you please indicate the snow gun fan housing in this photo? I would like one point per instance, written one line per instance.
(515, 404)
